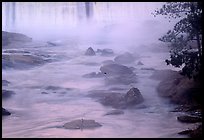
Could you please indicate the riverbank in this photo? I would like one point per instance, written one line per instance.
(184, 92)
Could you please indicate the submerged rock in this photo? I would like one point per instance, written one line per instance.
(105, 52)
(82, 124)
(5, 112)
(90, 52)
(5, 83)
(125, 58)
(115, 112)
(21, 61)
(140, 63)
(93, 75)
(7, 93)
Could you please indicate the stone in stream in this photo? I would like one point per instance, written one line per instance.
(125, 58)
(105, 52)
(115, 112)
(189, 119)
(12, 38)
(118, 100)
(93, 75)
(82, 124)
(90, 52)
(5, 83)
(133, 96)
(5, 112)
(7, 93)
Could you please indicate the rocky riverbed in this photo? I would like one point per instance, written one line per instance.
(52, 90)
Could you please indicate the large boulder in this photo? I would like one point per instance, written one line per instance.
(82, 124)
(125, 58)
(8, 38)
(118, 74)
(5, 112)
(133, 96)
(118, 100)
(21, 61)
(90, 52)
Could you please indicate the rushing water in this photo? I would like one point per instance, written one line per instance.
(42, 115)
(35, 114)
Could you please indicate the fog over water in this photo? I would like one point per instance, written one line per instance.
(74, 27)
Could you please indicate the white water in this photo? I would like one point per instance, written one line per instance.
(122, 27)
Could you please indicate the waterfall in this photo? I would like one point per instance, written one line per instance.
(27, 17)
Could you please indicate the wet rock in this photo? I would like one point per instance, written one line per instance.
(189, 119)
(181, 90)
(5, 83)
(44, 92)
(8, 38)
(133, 96)
(93, 75)
(5, 112)
(51, 43)
(7, 93)
(193, 133)
(197, 133)
(82, 124)
(21, 61)
(115, 112)
(118, 74)
(90, 52)
(52, 88)
(115, 69)
(125, 58)
(140, 63)
(118, 100)
(105, 52)
(115, 100)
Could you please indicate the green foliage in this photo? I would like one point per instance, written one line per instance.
(186, 37)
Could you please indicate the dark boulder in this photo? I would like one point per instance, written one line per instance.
(118, 74)
(189, 119)
(125, 58)
(118, 100)
(115, 69)
(5, 112)
(90, 52)
(133, 96)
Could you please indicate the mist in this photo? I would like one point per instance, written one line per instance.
(83, 60)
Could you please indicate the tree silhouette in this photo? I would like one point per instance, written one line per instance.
(185, 40)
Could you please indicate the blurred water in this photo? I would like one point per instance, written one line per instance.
(42, 115)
